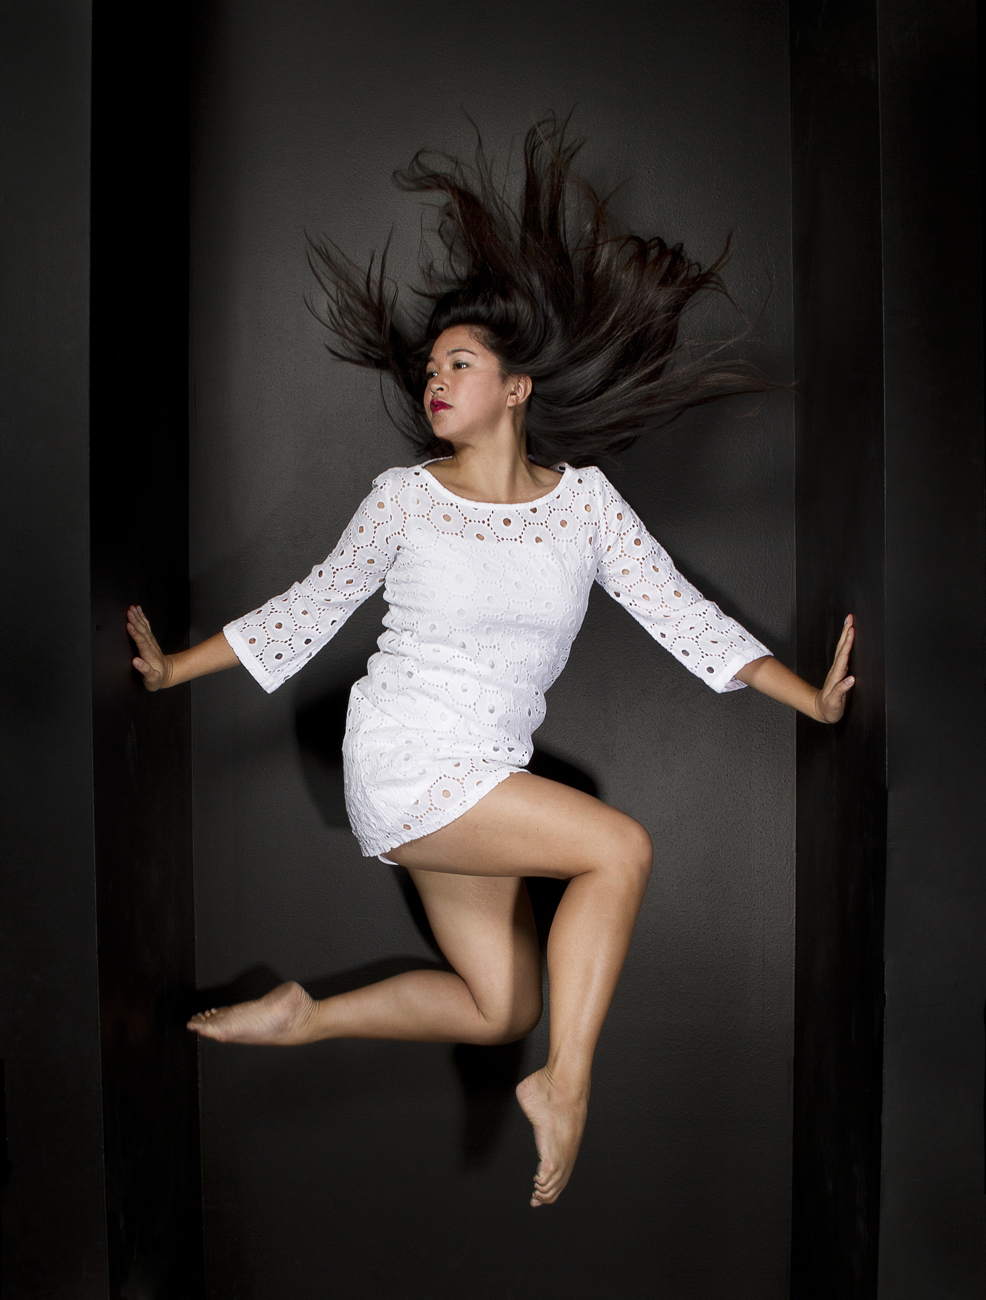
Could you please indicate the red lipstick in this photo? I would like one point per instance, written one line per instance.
(437, 404)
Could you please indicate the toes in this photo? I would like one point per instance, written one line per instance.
(548, 1187)
(203, 1023)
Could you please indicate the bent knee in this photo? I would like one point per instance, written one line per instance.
(498, 1036)
(633, 853)
(640, 847)
(512, 1026)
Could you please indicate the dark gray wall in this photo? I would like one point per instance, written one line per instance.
(387, 1170)
(52, 1203)
(933, 1212)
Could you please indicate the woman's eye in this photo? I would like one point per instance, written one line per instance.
(460, 365)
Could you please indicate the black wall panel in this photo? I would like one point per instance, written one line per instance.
(890, 517)
(841, 837)
(933, 1211)
(369, 1169)
(52, 1200)
(142, 742)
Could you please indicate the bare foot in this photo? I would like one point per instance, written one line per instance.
(277, 1020)
(557, 1115)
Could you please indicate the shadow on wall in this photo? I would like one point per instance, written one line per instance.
(487, 1075)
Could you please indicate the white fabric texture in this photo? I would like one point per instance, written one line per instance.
(483, 604)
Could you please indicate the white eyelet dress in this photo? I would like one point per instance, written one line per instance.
(483, 603)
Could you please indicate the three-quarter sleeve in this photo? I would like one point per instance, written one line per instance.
(638, 573)
(276, 640)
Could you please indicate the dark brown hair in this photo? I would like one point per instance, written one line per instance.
(590, 313)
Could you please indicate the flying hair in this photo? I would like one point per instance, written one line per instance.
(591, 313)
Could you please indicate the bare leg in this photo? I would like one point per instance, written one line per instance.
(485, 928)
(535, 827)
(525, 827)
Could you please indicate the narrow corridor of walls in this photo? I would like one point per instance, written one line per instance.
(389, 1170)
(398, 1171)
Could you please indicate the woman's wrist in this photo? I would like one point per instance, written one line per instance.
(769, 676)
(209, 656)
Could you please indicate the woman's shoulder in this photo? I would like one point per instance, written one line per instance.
(588, 478)
(395, 477)
(615, 511)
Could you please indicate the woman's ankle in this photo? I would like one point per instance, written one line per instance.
(566, 1080)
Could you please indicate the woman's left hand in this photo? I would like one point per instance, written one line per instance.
(830, 702)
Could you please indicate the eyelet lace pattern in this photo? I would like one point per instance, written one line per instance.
(483, 603)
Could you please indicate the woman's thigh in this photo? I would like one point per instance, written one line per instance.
(529, 826)
(485, 928)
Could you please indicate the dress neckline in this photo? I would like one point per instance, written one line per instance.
(566, 469)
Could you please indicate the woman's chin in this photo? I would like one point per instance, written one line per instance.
(452, 436)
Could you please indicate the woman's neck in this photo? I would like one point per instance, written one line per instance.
(494, 470)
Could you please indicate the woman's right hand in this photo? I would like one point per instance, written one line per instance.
(151, 662)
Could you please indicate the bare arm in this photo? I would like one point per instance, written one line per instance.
(160, 670)
(824, 705)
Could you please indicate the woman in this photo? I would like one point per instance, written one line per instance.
(550, 341)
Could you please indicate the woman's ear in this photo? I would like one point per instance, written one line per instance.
(520, 390)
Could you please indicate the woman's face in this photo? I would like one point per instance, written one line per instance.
(466, 393)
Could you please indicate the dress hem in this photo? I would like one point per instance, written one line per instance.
(377, 849)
